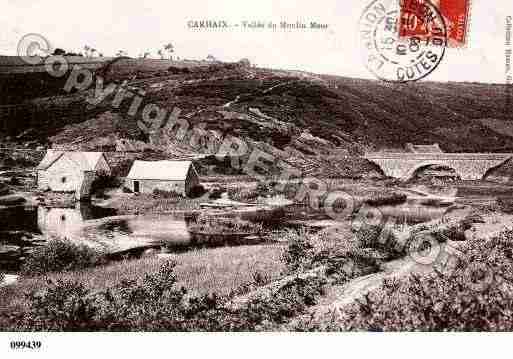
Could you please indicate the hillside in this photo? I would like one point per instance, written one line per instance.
(310, 118)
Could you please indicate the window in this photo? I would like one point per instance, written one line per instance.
(63, 179)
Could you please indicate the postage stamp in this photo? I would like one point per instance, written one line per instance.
(455, 14)
(402, 41)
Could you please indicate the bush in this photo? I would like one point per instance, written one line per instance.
(103, 181)
(62, 306)
(222, 225)
(453, 230)
(505, 204)
(343, 256)
(250, 194)
(61, 255)
(475, 296)
(216, 192)
(300, 253)
(156, 304)
(243, 194)
(159, 193)
(383, 239)
(197, 191)
(381, 199)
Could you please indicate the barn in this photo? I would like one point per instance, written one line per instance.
(147, 176)
(64, 171)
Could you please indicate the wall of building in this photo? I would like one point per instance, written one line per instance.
(148, 186)
(62, 176)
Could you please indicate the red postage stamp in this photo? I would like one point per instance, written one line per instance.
(455, 13)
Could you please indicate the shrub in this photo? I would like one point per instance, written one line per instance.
(383, 239)
(197, 191)
(505, 204)
(343, 256)
(159, 193)
(216, 192)
(442, 231)
(381, 199)
(103, 181)
(61, 255)
(475, 296)
(62, 306)
(243, 194)
(299, 253)
(222, 225)
(156, 304)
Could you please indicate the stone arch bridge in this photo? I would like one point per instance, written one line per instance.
(469, 166)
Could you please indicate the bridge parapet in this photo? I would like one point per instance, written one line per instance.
(469, 166)
(438, 156)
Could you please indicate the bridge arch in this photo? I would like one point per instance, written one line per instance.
(489, 170)
(419, 166)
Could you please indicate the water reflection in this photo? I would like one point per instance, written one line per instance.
(67, 222)
(22, 228)
(140, 231)
(413, 212)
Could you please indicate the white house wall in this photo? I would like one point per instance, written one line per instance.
(148, 186)
(64, 176)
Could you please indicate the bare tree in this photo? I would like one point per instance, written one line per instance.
(211, 58)
(121, 53)
(161, 54)
(170, 50)
(86, 50)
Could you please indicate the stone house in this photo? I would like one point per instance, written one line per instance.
(64, 171)
(147, 176)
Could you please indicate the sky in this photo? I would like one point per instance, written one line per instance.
(140, 26)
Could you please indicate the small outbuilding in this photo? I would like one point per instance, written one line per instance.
(433, 148)
(66, 171)
(147, 176)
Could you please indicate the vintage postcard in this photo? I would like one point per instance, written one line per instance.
(271, 166)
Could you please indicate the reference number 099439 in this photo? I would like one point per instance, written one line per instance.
(22, 345)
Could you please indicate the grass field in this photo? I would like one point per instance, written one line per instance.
(201, 271)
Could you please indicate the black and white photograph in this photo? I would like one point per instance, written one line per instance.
(262, 167)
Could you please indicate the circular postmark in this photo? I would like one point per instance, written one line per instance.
(402, 40)
(32, 46)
